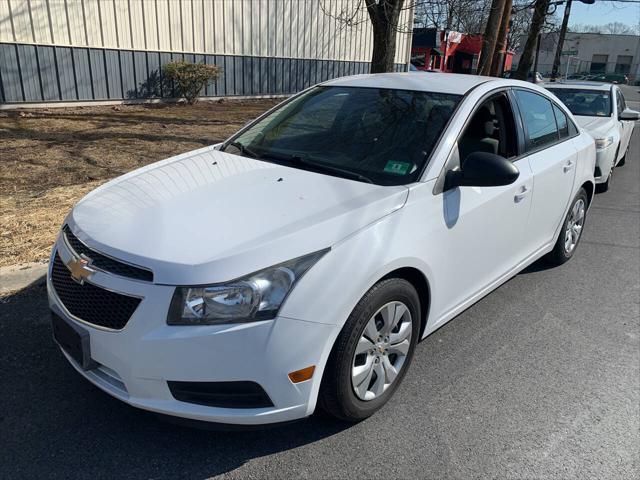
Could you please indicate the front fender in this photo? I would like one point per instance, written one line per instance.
(332, 288)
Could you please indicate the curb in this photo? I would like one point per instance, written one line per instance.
(18, 277)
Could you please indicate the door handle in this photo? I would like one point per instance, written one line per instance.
(518, 197)
(568, 166)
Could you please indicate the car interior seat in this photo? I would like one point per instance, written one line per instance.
(479, 135)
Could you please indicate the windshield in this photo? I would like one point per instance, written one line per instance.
(589, 103)
(374, 135)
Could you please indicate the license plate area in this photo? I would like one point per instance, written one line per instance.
(74, 340)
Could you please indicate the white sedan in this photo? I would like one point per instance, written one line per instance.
(601, 110)
(299, 263)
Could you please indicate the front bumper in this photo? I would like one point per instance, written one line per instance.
(134, 364)
(605, 161)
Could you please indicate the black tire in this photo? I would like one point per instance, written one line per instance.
(604, 187)
(623, 160)
(559, 254)
(337, 397)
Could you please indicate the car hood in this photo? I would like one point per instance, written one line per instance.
(208, 216)
(595, 126)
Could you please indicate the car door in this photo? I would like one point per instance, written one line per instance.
(626, 126)
(483, 227)
(552, 158)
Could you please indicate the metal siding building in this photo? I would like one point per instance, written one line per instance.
(592, 53)
(84, 50)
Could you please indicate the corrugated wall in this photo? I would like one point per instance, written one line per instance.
(66, 50)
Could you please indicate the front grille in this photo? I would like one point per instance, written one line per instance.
(105, 263)
(90, 303)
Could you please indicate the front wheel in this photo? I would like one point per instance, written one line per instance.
(623, 160)
(571, 231)
(604, 187)
(373, 352)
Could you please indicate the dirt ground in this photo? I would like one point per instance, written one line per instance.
(49, 158)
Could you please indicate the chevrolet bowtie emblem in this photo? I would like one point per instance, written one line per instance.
(80, 269)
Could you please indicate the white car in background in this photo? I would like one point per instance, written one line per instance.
(600, 109)
(299, 263)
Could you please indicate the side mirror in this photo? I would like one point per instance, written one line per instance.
(482, 169)
(630, 115)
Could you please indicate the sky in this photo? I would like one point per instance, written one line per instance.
(603, 12)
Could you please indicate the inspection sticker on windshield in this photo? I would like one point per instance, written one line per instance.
(397, 168)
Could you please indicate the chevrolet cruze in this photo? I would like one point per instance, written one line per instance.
(297, 264)
(600, 109)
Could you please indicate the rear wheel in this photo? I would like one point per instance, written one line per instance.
(571, 231)
(373, 352)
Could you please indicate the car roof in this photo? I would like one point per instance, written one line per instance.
(441, 83)
(579, 85)
(454, 83)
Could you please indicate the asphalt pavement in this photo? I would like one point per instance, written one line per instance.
(540, 379)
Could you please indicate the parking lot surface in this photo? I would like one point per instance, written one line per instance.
(539, 379)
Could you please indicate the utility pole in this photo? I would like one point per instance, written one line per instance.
(563, 32)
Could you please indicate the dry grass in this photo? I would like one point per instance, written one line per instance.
(50, 158)
(30, 223)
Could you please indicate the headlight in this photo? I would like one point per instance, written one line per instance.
(602, 143)
(257, 296)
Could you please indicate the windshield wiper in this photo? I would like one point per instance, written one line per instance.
(332, 169)
(293, 159)
(244, 150)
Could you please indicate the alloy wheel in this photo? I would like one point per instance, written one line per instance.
(574, 226)
(381, 350)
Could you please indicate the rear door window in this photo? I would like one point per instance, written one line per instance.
(562, 121)
(538, 118)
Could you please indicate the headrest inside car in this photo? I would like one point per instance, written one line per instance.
(489, 127)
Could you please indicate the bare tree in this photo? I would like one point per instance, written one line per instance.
(384, 16)
(433, 15)
(521, 19)
(472, 17)
(584, 28)
(537, 22)
(615, 28)
(497, 64)
(520, 22)
(619, 28)
(490, 37)
(468, 16)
